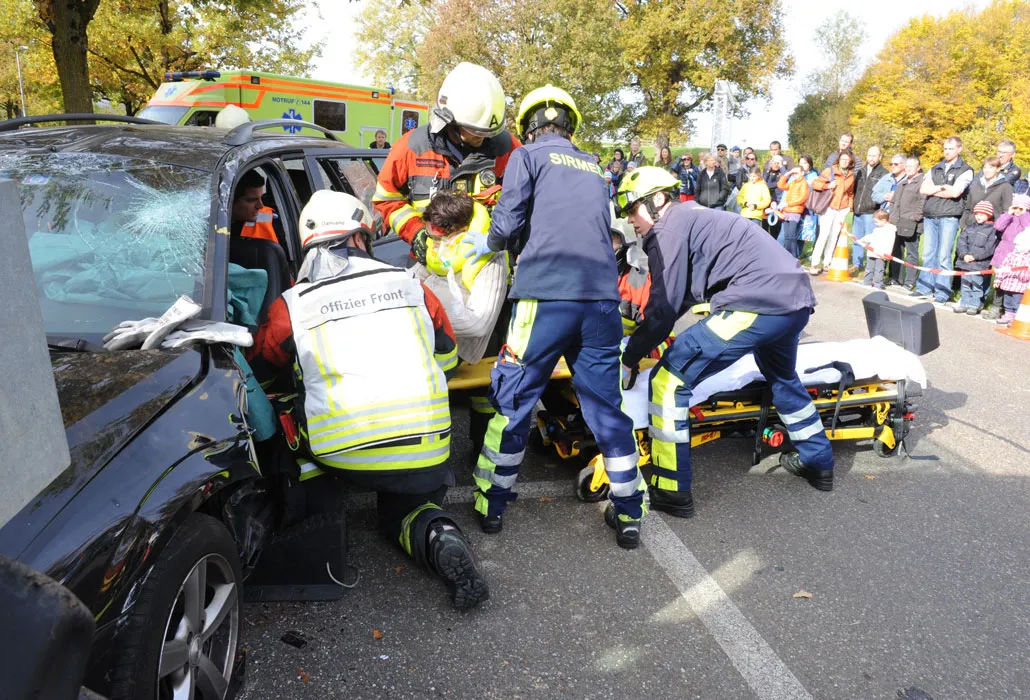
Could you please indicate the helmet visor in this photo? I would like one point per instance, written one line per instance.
(626, 202)
(481, 131)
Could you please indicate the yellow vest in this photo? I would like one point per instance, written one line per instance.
(446, 254)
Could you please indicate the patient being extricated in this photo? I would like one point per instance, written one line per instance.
(471, 290)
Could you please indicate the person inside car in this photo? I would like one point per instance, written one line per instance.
(347, 319)
(250, 217)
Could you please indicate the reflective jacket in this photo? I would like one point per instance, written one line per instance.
(418, 166)
(635, 290)
(261, 227)
(371, 350)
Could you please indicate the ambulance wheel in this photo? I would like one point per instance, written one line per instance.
(584, 491)
(881, 449)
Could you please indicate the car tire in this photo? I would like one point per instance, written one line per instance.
(161, 649)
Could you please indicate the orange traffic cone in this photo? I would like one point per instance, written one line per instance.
(841, 257)
(1021, 325)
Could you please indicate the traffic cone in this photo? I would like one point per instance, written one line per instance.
(1021, 325)
(841, 257)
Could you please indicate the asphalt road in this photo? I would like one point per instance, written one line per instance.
(917, 570)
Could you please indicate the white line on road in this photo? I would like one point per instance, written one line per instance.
(752, 656)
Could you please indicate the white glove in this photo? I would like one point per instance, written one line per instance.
(208, 332)
(151, 331)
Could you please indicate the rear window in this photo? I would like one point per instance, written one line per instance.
(111, 239)
(168, 115)
(331, 115)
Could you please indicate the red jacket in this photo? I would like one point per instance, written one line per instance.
(419, 164)
(635, 290)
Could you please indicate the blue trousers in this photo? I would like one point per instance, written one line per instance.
(710, 346)
(974, 290)
(588, 334)
(939, 234)
(788, 237)
(861, 225)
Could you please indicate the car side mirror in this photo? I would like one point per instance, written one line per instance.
(48, 634)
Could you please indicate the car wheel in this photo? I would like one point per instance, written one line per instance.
(182, 634)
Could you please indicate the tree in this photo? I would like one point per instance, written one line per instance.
(839, 39)
(674, 53)
(67, 21)
(388, 37)
(19, 28)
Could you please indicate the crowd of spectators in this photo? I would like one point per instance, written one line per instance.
(953, 217)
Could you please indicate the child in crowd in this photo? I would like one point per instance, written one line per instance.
(1010, 224)
(976, 245)
(471, 291)
(1011, 285)
(754, 196)
(881, 240)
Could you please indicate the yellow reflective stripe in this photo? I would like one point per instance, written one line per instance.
(729, 323)
(384, 195)
(400, 217)
(628, 326)
(522, 326)
(432, 451)
(420, 204)
(327, 378)
(348, 434)
(376, 420)
(409, 519)
(447, 361)
(663, 392)
(427, 355)
(492, 440)
(366, 409)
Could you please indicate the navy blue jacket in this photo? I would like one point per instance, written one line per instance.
(554, 213)
(696, 254)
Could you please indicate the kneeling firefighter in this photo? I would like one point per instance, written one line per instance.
(554, 211)
(371, 349)
(760, 300)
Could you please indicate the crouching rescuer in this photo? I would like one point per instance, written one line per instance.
(760, 301)
(371, 349)
(554, 213)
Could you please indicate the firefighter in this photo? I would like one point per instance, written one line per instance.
(760, 301)
(554, 212)
(468, 120)
(371, 349)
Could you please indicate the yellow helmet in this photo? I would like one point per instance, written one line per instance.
(642, 183)
(547, 105)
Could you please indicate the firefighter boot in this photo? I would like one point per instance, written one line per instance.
(821, 479)
(677, 503)
(436, 542)
(627, 530)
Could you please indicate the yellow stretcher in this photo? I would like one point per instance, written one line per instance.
(477, 376)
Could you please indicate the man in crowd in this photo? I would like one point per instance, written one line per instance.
(785, 161)
(907, 202)
(381, 141)
(760, 301)
(883, 194)
(866, 179)
(636, 156)
(945, 187)
(1011, 172)
(713, 189)
(843, 145)
(724, 161)
(566, 302)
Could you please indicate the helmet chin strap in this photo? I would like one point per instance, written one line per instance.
(652, 210)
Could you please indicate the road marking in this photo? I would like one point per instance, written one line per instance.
(751, 655)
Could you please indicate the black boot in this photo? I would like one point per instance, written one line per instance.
(490, 524)
(627, 532)
(821, 479)
(450, 557)
(677, 503)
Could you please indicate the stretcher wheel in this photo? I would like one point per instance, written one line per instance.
(535, 441)
(881, 449)
(584, 486)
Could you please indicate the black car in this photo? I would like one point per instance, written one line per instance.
(165, 507)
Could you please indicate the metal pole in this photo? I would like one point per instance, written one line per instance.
(21, 85)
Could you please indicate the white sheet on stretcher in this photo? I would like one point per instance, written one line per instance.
(872, 357)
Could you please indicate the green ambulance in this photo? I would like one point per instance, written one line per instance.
(354, 112)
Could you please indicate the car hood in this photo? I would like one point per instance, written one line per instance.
(106, 399)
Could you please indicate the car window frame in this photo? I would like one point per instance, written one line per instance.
(372, 158)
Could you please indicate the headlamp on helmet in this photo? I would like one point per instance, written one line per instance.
(548, 105)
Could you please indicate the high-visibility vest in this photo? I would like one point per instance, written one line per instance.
(261, 227)
(365, 344)
(451, 253)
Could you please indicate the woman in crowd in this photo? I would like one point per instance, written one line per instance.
(687, 172)
(618, 157)
(664, 160)
(841, 179)
(796, 187)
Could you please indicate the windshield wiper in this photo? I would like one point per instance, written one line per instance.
(72, 345)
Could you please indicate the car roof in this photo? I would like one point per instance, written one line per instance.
(189, 146)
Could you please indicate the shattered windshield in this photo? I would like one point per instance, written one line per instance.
(111, 239)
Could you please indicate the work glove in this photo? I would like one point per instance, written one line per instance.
(419, 246)
(208, 332)
(629, 376)
(148, 333)
(480, 246)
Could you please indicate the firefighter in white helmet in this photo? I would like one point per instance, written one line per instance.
(371, 349)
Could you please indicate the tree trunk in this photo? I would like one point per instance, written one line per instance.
(67, 21)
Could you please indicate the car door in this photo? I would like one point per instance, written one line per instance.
(355, 172)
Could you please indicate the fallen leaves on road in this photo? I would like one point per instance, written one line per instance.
(376, 634)
(802, 594)
(870, 477)
(302, 675)
(399, 569)
(546, 499)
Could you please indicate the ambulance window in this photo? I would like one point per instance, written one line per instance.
(202, 117)
(409, 120)
(331, 115)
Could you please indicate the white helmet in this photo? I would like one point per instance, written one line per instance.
(332, 216)
(472, 97)
(230, 117)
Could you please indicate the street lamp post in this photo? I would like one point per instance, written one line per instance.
(21, 85)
